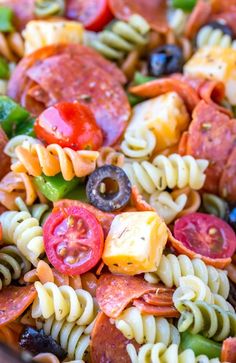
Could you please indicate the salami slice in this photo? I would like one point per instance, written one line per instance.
(115, 292)
(23, 11)
(153, 11)
(14, 300)
(108, 344)
(227, 186)
(5, 161)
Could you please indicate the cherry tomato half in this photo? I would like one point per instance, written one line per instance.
(94, 14)
(69, 124)
(73, 240)
(206, 235)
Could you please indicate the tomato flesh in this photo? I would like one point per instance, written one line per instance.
(206, 235)
(69, 124)
(73, 240)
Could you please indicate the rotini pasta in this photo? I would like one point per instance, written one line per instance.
(24, 231)
(47, 8)
(214, 205)
(122, 37)
(74, 339)
(166, 206)
(20, 140)
(159, 353)
(146, 328)
(193, 200)
(177, 20)
(209, 320)
(11, 46)
(54, 159)
(13, 265)
(3, 87)
(172, 268)
(138, 143)
(172, 171)
(207, 36)
(194, 289)
(63, 302)
(109, 156)
(39, 211)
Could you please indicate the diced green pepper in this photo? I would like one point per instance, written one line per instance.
(4, 69)
(79, 193)
(134, 100)
(11, 115)
(55, 187)
(200, 345)
(26, 128)
(139, 78)
(6, 17)
(186, 5)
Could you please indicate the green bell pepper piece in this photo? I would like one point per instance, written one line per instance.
(186, 5)
(55, 187)
(200, 345)
(79, 193)
(134, 100)
(6, 17)
(11, 115)
(26, 128)
(139, 78)
(4, 69)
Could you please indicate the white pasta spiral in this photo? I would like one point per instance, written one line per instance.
(207, 36)
(13, 265)
(166, 206)
(172, 171)
(122, 37)
(40, 211)
(63, 302)
(177, 20)
(194, 289)
(24, 231)
(20, 140)
(109, 156)
(74, 339)
(138, 143)
(160, 353)
(146, 328)
(172, 268)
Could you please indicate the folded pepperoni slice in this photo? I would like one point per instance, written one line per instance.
(14, 300)
(115, 292)
(153, 11)
(108, 344)
(161, 311)
(5, 161)
(198, 18)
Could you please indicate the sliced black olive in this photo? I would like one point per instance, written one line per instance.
(36, 341)
(221, 25)
(108, 188)
(165, 60)
(231, 215)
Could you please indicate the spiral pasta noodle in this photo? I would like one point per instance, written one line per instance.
(138, 143)
(24, 231)
(40, 211)
(11, 46)
(172, 268)
(54, 159)
(193, 200)
(207, 319)
(160, 353)
(172, 171)
(122, 38)
(109, 156)
(214, 205)
(20, 140)
(74, 339)
(207, 36)
(194, 289)
(13, 265)
(63, 302)
(166, 206)
(47, 8)
(177, 20)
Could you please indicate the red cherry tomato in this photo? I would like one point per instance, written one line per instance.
(69, 125)
(206, 235)
(73, 240)
(94, 14)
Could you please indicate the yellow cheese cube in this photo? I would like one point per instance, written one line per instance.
(165, 115)
(135, 243)
(215, 63)
(39, 33)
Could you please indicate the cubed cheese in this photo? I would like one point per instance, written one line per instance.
(215, 63)
(135, 243)
(39, 33)
(165, 115)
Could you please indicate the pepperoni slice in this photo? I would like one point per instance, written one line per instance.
(227, 186)
(197, 18)
(228, 352)
(115, 292)
(153, 11)
(14, 300)
(161, 311)
(108, 344)
(139, 202)
(5, 161)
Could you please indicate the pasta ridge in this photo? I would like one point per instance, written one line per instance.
(208, 36)
(138, 143)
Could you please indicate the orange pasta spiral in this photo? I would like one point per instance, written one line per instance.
(53, 159)
(11, 46)
(108, 155)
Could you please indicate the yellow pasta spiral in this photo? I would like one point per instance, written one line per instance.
(11, 46)
(172, 268)
(47, 8)
(53, 159)
(109, 156)
(146, 328)
(63, 302)
(138, 143)
(208, 36)
(24, 231)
